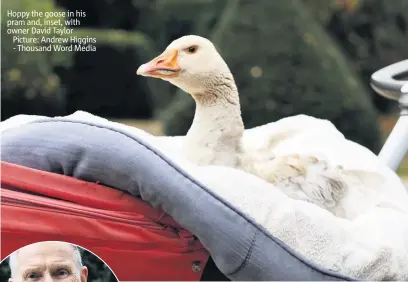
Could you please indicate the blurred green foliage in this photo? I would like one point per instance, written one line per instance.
(29, 74)
(33, 73)
(293, 67)
(373, 33)
(97, 269)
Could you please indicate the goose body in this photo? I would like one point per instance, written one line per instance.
(286, 154)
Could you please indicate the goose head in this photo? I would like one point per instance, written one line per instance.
(191, 63)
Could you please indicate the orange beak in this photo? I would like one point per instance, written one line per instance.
(163, 66)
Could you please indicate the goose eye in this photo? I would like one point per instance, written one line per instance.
(192, 49)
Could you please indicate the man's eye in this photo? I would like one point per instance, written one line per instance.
(61, 273)
(33, 276)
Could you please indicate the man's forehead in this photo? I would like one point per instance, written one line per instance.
(57, 251)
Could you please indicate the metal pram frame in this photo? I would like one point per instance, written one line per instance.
(392, 82)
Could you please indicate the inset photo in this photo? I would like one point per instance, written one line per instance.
(52, 261)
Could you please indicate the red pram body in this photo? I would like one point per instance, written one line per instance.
(137, 241)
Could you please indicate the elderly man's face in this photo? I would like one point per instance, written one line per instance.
(48, 262)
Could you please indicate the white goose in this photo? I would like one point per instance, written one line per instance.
(301, 155)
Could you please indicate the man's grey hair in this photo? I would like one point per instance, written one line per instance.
(77, 259)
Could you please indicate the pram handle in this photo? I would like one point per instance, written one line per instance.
(384, 82)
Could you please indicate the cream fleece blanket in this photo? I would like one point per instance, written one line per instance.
(373, 245)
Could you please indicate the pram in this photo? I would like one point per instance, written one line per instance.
(140, 242)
